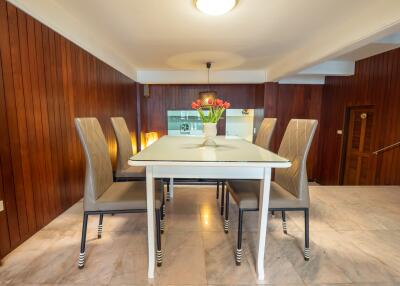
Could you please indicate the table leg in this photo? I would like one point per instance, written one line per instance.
(150, 220)
(263, 221)
(171, 187)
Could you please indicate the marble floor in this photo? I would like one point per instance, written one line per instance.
(355, 239)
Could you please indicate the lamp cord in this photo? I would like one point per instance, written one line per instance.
(208, 78)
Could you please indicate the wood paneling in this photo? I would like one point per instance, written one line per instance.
(45, 82)
(4, 183)
(376, 83)
(288, 101)
(168, 97)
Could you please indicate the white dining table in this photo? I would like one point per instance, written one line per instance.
(231, 158)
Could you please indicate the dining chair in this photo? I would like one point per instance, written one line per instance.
(289, 190)
(101, 194)
(123, 171)
(263, 139)
(264, 134)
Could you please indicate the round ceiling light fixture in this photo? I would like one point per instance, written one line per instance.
(215, 7)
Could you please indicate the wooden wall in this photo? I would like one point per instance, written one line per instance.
(287, 101)
(168, 97)
(45, 82)
(4, 233)
(376, 82)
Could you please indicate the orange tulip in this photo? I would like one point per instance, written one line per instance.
(226, 105)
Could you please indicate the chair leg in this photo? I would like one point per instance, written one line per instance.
(217, 194)
(284, 222)
(100, 226)
(115, 180)
(222, 198)
(226, 221)
(162, 214)
(81, 261)
(168, 192)
(307, 235)
(272, 213)
(158, 225)
(164, 211)
(239, 239)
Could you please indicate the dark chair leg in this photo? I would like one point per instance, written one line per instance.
(226, 221)
(284, 222)
(81, 261)
(217, 190)
(222, 198)
(164, 211)
(158, 225)
(116, 179)
(239, 238)
(272, 213)
(307, 235)
(100, 226)
(162, 215)
(168, 193)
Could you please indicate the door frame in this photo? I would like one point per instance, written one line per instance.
(345, 136)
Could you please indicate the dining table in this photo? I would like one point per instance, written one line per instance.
(185, 157)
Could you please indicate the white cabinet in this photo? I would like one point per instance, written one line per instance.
(239, 123)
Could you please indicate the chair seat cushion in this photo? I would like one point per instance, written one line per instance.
(132, 172)
(246, 194)
(127, 196)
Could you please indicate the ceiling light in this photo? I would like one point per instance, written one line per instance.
(215, 7)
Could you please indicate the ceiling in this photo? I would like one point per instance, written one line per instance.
(268, 37)
(381, 45)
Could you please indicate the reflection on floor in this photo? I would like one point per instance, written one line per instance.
(355, 239)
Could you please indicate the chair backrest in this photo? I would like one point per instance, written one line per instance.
(265, 132)
(295, 145)
(124, 143)
(99, 176)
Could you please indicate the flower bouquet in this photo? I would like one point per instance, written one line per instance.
(215, 109)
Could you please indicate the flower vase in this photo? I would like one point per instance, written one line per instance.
(210, 132)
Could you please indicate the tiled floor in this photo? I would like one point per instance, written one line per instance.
(355, 239)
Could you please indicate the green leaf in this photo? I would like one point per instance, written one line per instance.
(201, 113)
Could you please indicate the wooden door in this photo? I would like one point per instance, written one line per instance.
(359, 163)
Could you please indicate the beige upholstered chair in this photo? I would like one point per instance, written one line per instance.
(123, 171)
(101, 194)
(289, 190)
(265, 132)
(263, 139)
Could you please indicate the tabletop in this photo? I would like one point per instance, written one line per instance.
(189, 149)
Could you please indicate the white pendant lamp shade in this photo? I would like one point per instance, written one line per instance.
(215, 7)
